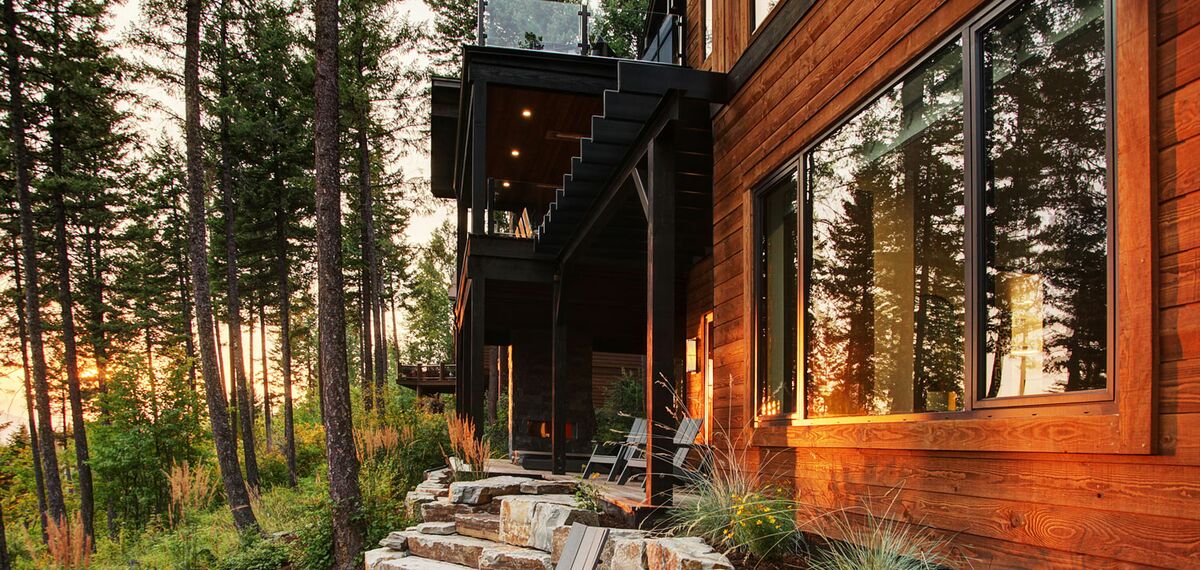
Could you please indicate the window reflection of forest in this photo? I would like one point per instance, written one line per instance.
(886, 297)
(1045, 168)
(779, 284)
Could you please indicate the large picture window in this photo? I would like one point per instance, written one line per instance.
(954, 231)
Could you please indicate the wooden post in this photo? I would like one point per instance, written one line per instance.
(660, 318)
(558, 380)
(477, 378)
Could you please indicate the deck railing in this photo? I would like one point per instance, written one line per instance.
(426, 373)
(534, 24)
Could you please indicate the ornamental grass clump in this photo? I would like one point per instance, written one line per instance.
(469, 456)
(737, 510)
(872, 541)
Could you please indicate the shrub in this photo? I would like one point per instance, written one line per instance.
(256, 553)
(626, 400)
(313, 547)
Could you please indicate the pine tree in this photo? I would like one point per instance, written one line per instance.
(223, 437)
(344, 492)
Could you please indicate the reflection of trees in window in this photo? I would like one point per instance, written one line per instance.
(1045, 192)
(885, 294)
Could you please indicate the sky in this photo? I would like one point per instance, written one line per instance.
(152, 123)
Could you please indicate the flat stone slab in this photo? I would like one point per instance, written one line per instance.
(513, 558)
(442, 510)
(438, 528)
(481, 525)
(537, 487)
(419, 497)
(517, 512)
(416, 563)
(454, 548)
(441, 476)
(374, 559)
(483, 491)
(686, 553)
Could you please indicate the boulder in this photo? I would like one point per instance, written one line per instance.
(483, 491)
(513, 558)
(623, 552)
(538, 487)
(454, 548)
(516, 516)
(481, 525)
(397, 540)
(440, 528)
(374, 559)
(442, 510)
(549, 516)
(685, 553)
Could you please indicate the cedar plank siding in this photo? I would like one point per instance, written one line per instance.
(1002, 509)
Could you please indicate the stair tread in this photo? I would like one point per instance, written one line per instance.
(418, 563)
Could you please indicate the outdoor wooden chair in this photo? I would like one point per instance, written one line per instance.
(582, 551)
(681, 444)
(611, 465)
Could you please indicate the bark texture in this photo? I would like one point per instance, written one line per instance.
(331, 310)
(223, 437)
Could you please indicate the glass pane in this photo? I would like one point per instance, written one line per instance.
(1046, 199)
(708, 27)
(885, 314)
(762, 8)
(533, 24)
(778, 291)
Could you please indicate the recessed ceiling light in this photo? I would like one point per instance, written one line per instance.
(515, 152)
(505, 184)
(526, 113)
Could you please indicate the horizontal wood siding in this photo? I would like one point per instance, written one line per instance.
(1000, 509)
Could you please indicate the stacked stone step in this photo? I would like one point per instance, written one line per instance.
(518, 523)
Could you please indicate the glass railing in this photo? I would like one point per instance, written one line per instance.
(534, 24)
(665, 44)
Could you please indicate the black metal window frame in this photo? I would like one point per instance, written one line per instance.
(969, 35)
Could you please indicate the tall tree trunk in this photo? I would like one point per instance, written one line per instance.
(237, 367)
(4, 563)
(395, 331)
(251, 399)
(34, 442)
(56, 506)
(66, 304)
(285, 341)
(223, 438)
(367, 237)
(262, 339)
(189, 343)
(331, 310)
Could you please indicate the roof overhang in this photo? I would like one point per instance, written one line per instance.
(443, 131)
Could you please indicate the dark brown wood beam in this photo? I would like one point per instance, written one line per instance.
(558, 379)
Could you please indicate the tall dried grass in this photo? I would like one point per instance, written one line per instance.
(473, 454)
(191, 489)
(371, 441)
(67, 545)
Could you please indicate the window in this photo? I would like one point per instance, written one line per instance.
(886, 302)
(778, 288)
(955, 232)
(708, 27)
(1045, 197)
(759, 9)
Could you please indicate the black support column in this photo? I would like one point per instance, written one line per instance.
(660, 317)
(558, 379)
(477, 376)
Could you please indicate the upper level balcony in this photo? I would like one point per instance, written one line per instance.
(570, 27)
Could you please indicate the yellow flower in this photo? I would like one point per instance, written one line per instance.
(758, 522)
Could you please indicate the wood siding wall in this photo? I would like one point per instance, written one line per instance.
(1002, 509)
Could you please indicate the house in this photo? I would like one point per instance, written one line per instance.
(937, 255)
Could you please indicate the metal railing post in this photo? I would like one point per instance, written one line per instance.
(584, 45)
(481, 31)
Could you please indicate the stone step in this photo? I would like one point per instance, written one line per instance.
(454, 548)
(416, 563)
(479, 525)
(482, 492)
(507, 557)
(443, 510)
(530, 520)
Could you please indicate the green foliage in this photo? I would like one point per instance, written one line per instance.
(256, 553)
(313, 548)
(148, 425)
(620, 23)
(587, 497)
(626, 400)
(430, 316)
(497, 432)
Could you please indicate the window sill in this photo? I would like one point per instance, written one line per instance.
(1085, 429)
